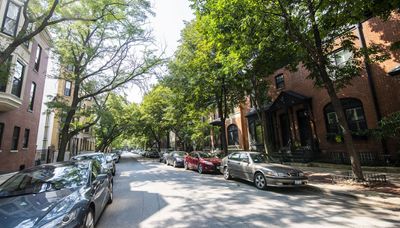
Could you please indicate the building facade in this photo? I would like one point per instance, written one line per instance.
(21, 91)
(84, 140)
(300, 120)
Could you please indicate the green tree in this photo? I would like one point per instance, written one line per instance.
(100, 57)
(37, 15)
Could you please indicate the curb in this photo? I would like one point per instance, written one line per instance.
(385, 199)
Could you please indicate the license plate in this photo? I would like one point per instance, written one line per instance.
(298, 182)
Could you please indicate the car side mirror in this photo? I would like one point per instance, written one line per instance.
(109, 159)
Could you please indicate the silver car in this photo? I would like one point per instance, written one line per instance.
(257, 168)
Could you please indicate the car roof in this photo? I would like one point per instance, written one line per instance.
(57, 165)
(89, 154)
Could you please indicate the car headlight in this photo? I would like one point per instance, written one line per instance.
(271, 173)
(208, 163)
(63, 220)
(301, 174)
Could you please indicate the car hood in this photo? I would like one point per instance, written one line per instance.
(28, 210)
(277, 167)
(213, 160)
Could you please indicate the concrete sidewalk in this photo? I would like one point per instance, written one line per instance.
(386, 194)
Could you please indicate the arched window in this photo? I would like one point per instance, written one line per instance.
(354, 114)
(233, 135)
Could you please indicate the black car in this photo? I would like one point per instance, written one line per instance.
(152, 154)
(176, 158)
(106, 163)
(163, 157)
(66, 194)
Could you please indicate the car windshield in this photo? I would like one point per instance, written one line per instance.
(99, 157)
(259, 158)
(179, 154)
(207, 155)
(45, 179)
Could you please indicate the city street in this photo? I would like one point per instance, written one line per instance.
(150, 194)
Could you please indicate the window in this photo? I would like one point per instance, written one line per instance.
(17, 79)
(32, 96)
(15, 138)
(26, 139)
(10, 22)
(233, 137)
(235, 156)
(244, 157)
(37, 57)
(354, 114)
(1, 132)
(280, 81)
(339, 59)
(67, 89)
(255, 129)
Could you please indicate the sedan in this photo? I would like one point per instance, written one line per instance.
(175, 158)
(202, 162)
(258, 168)
(65, 194)
(106, 163)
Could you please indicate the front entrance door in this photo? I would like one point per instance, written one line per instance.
(285, 129)
(304, 128)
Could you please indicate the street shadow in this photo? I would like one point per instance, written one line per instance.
(203, 200)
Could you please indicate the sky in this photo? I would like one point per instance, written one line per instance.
(166, 26)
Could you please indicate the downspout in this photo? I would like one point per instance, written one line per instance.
(371, 82)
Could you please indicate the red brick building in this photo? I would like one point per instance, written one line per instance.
(21, 95)
(301, 117)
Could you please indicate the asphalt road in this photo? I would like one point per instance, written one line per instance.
(150, 194)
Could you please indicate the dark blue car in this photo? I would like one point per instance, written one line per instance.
(66, 194)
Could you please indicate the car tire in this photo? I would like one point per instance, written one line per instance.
(227, 174)
(185, 165)
(259, 181)
(200, 169)
(89, 219)
(111, 194)
(174, 164)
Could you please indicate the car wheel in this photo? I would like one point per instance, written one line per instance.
(200, 169)
(111, 196)
(185, 165)
(89, 219)
(227, 174)
(259, 181)
(174, 164)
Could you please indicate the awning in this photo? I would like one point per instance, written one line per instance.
(253, 111)
(395, 71)
(216, 122)
(288, 99)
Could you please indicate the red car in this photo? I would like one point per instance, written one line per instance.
(202, 162)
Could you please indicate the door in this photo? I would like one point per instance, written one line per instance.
(245, 170)
(285, 129)
(304, 128)
(233, 164)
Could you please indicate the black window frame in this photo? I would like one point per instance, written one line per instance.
(233, 134)
(279, 81)
(37, 58)
(348, 104)
(18, 90)
(25, 143)
(5, 18)
(1, 132)
(32, 96)
(67, 92)
(15, 138)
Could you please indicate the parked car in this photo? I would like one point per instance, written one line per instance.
(114, 156)
(163, 157)
(152, 154)
(175, 158)
(105, 162)
(202, 162)
(66, 194)
(259, 169)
